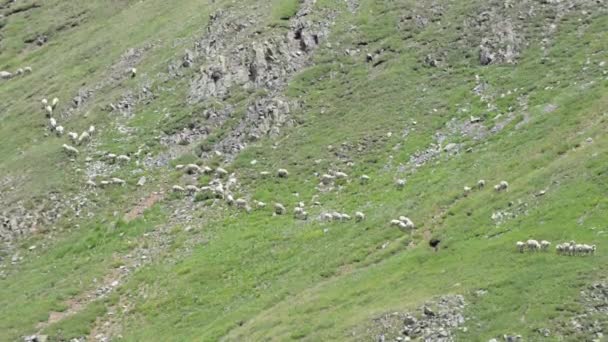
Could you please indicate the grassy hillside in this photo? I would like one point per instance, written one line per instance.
(389, 89)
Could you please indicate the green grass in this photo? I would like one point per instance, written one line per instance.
(259, 277)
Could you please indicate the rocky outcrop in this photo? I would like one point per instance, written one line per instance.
(434, 321)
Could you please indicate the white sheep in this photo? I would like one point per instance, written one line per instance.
(327, 179)
(481, 184)
(192, 189)
(123, 159)
(91, 184)
(91, 129)
(111, 157)
(327, 217)
(177, 188)
(364, 179)
(279, 209)
(207, 170)
(84, 137)
(520, 246)
(259, 204)
(299, 213)
(395, 222)
(72, 151)
(44, 103)
(229, 199)
(55, 103)
(192, 169)
(5, 75)
(27, 70)
(118, 181)
(400, 183)
(19, 71)
(220, 172)
(340, 175)
(59, 130)
(132, 72)
(560, 248)
(104, 183)
(179, 167)
(503, 185)
(346, 217)
(241, 203)
(544, 245)
(408, 223)
(336, 216)
(73, 137)
(49, 110)
(282, 173)
(467, 190)
(533, 245)
(52, 123)
(264, 174)
(359, 216)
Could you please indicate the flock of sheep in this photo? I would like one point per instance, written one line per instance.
(216, 189)
(7, 75)
(566, 248)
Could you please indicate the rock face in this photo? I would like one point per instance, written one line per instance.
(238, 57)
(435, 321)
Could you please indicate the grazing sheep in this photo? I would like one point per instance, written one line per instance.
(400, 183)
(229, 199)
(55, 103)
(27, 70)
(520, 246)
(395, 222)
(544, 245)
(71, 151)
(118, 181)
(279, 209)
(52, 123)
(59, 130)
(104, 184)
(467, 190)
(177, 188)
(336, 216)
(264, 174)
(220, 172)
(192, 189)
(364, 179)
(481, 184)
(359, 216)
(299, 213)
(340, 175)
(327, 217)
(301, 204)
(560, 248)
(91, 184)
(44, 103)
(327, 179)
(207, 170)
(408, 223)
(73, 137)
(346, 217)
(192, 169)
(132, 72)
(503, 185)
(123, 159)
(49, 111)
(111, 157)
(19, 71)
(84, 137)
(5, 75)
(241, 203)
(282, 173)
(179, 167)
(259, 204)
(91, 129)
(533, 245)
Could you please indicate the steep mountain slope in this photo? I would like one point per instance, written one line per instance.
(439, 93)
